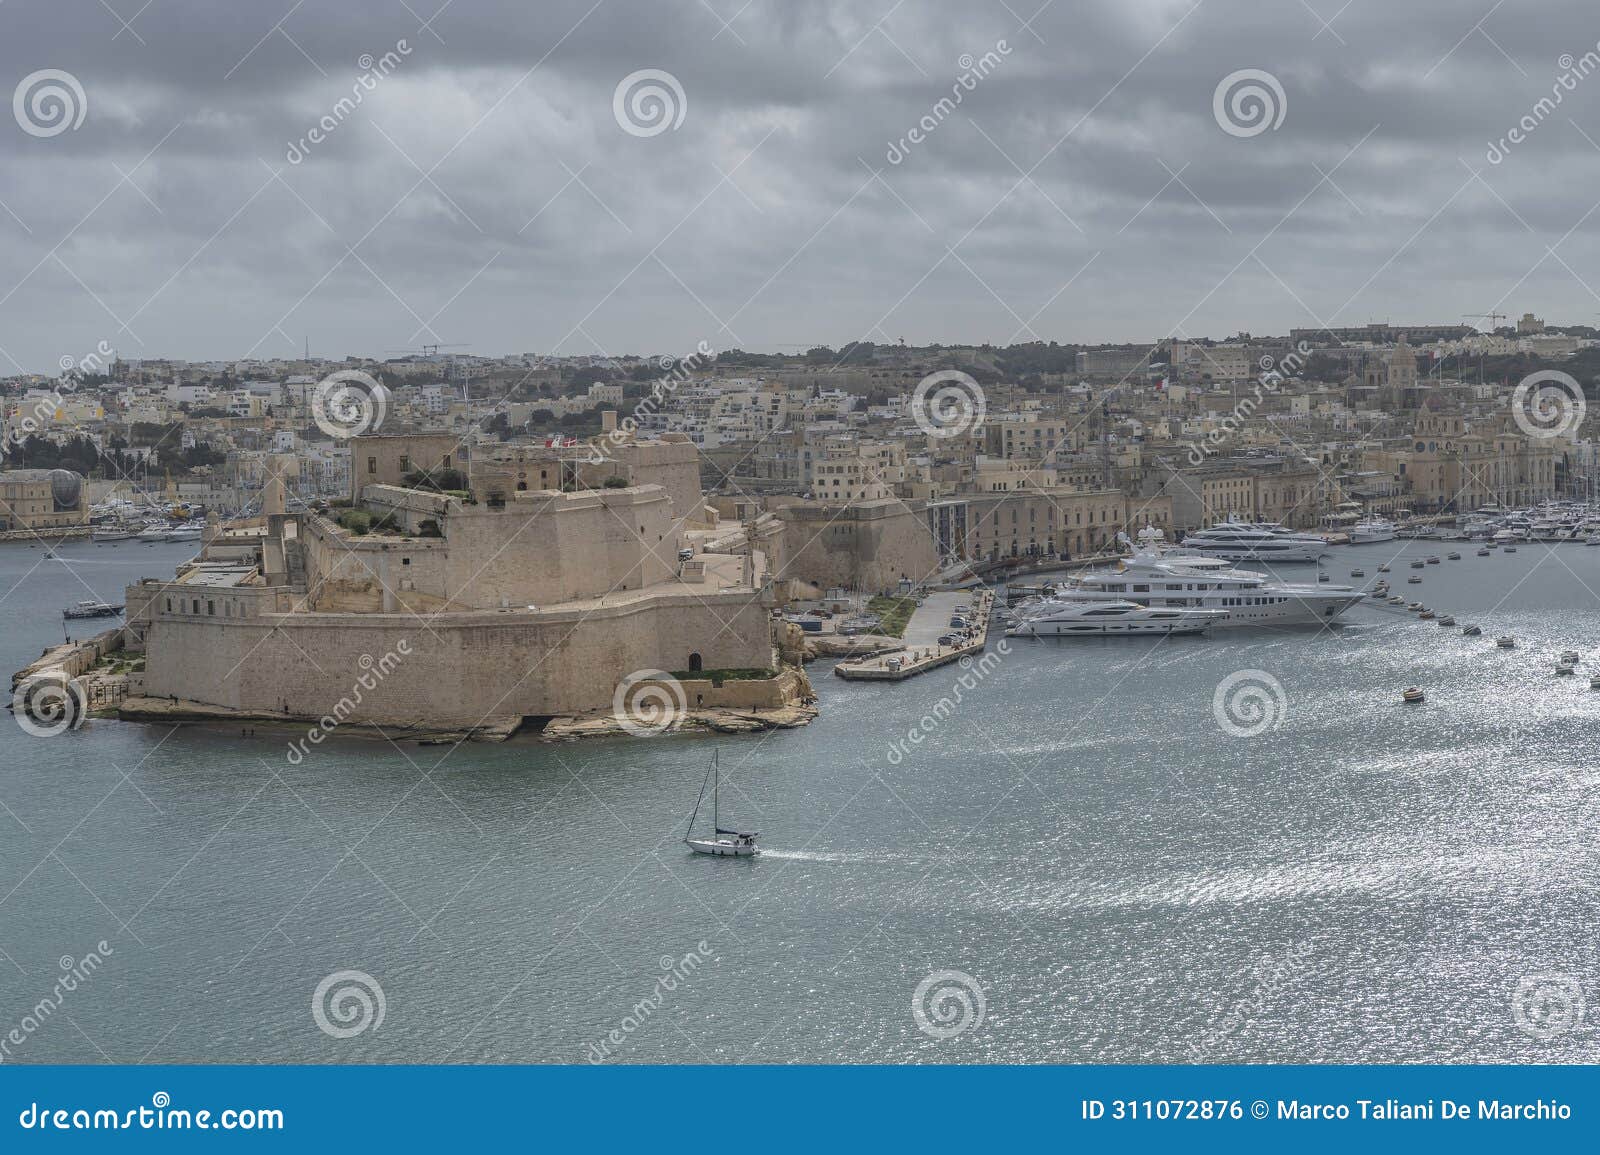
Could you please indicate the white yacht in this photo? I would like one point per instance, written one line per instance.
(1374, 529)
(110, 532)
(1243, 541)
(1062, 617)
(1248, 598)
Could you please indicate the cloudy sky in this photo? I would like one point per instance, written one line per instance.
(492, 189)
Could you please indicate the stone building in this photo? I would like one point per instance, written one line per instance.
(35, 499)
(867, 545)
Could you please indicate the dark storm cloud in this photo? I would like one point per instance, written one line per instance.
(483, 191)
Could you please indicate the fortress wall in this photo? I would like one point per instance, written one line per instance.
(461, 667)
(866, 546)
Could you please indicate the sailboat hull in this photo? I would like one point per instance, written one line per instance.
(722, 847)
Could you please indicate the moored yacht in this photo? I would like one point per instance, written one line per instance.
(1244, 541)
(1064, 618)
(1374, 529)
(1247, 597)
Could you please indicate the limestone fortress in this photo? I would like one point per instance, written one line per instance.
(549, 578)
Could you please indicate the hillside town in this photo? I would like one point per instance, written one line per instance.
(1004, 453)
(683, 516)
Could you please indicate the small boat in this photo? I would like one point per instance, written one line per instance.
(1322, 577)
(1416, 607)
(1383, 569)
(91, 609)
(1411, 695)
(1471, 631)
(1358, 573)
(1483, 553)
(1594, 682)
(1425, 616)
(1413, 580)
(1453, 556)
(109, 533)
(1447, 620)
(1569, 657)
(722, 843)
(1506, 642)
(1397, 601)
(1564, 670)
(1418, 564)
(1511, 549)
(1433, 561)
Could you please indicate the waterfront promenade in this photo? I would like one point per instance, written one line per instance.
(921, 650)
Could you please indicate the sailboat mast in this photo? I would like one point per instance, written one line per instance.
(716, 784)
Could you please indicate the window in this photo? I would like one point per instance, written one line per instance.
(211, 607)
(372, 465)
(405, 561)
(405, 463)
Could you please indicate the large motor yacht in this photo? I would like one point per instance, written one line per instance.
(1244, 541)
(1248, 598)
(1065, 618)
(1374, 529)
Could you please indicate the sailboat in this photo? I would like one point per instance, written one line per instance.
(722, 842)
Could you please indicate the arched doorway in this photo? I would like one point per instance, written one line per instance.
(695, 664)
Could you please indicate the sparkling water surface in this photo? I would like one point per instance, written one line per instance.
(1122, 877)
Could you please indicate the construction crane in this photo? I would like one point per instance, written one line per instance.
(430, 350)
(1494, 319)
(1105, 439)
